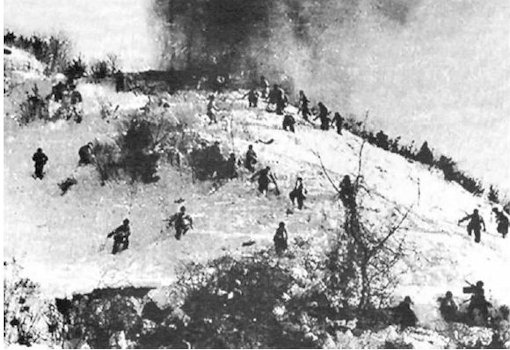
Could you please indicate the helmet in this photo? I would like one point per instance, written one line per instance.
(479, 284)
(39, 150)
(408, 300)
(183, 209)
(126, 221)
(449, 294)
(282, 224)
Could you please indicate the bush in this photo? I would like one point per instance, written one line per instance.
(76, 69)
(33, 108)
(493, 195)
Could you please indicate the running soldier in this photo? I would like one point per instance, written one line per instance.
(86, 155)
(502, 221)
(323, 116)
(264, 178)
(251, 159)
(298, 193)
(303, 105)
(280, 239)
(475, 224)
(182, 223)
(120, 237)
(338, 121)
(40, 159)
(211, 109)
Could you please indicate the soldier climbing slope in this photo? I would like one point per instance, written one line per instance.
(323, 116)
(502, 221)
(448, 308)
(264, 178)
(303, 105)
(298, 193)
(338, 121)
(288, 123)
(120, 237)
(182, 223)
(475, 224)
(250, 159)
(264, 87)
(280, 239)
(40, 159)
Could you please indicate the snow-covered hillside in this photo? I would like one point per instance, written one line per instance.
(61, 240)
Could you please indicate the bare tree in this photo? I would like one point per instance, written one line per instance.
(363, 258)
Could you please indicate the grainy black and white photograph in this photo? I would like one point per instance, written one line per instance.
(256, 174)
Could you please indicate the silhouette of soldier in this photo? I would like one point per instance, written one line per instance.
(447, 307)
(338, 121)
(85, 153)
(404, 315)
(303, 105)
(182, 223)
(288, 123)
(40, 159)
(251, 159)
(502, 221)
(346, 194)
(264, 178)
(475, 224)
(120, 237)
(280, 239)
(253, 97)
(478, 302)
(211, 109)
(298, 193)
(323, 116)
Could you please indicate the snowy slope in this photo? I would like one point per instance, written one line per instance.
(60, 240)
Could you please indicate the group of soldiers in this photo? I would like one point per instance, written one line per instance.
(476, 223)
(40, 159)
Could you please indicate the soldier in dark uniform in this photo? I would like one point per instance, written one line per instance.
(448, 308)
(303, 105)
(298, 193)
(288, 123)
(40, 159)
(475, 224)
(264, 178)
(120, 81)
(347, 195)
(182, 223)
(338, 121)
(405, 317)
(253, 97)
(120, 237)
(251, 159)
(211, 109)
(230, 168)
(478, 302)
(57, 92)
(502, 221)
(323, 116)
(85, 153)
(280, 239)
(276, 97)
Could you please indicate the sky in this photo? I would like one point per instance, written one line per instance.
(440, 73)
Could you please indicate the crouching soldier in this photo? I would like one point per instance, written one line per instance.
(120, 237)
(288, 123)
(182, 223)
(85, 153)
(448, 308)
(280, 239)
(475, 224)
(264, 178)
(404, 315)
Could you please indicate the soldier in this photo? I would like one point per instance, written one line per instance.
(502, 221)
(323, 116)
(120, 237)
(211, 109)
(40, 160)
(183, 222)
(303, 105)
(298, 193)
(264, 87)
(85, 153)
(253, 98)
(288, 123)
(276, 97)
(251, 159)
(120, 81)
(405, 317)
(338, 121)
(75, 99)
(475, 224)
(280, 239)
(447, 307)
(264, 178)
(57, 92)
(347, 195)
(478, 302)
